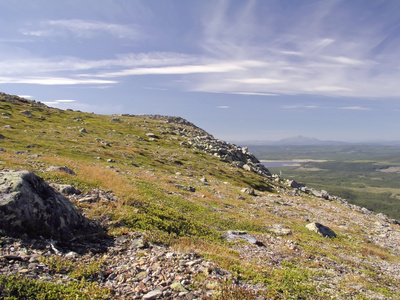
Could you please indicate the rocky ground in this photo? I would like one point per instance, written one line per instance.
(133, 268)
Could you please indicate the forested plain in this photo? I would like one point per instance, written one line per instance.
(365, 175)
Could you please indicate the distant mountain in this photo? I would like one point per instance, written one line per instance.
(302, 140)
(297, 140)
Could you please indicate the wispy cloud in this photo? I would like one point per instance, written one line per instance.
(355, 108)
(302, 55)
(345, 60)
(258, 80)
(67, 70)
(80, 28)
(26, 96)
(299, 107)
(173, 70)
(54, 81)
(253, 93)
(65, 101)
(328, 88)
(60, 101)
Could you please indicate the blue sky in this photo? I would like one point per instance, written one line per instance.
(242, 70)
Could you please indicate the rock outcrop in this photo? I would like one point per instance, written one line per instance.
(28, 205)
(200, 139)
(230, 153)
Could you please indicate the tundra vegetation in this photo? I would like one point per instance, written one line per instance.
(366, 175)
(185, 200)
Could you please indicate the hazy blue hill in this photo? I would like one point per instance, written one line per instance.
(292, 141)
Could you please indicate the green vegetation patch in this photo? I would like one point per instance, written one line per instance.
(18, 287)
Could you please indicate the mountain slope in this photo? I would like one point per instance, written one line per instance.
(172, 184)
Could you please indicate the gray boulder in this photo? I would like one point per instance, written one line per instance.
(60, 169)
(249, 191)
(321, 229)
(232, 235)
(28, 205)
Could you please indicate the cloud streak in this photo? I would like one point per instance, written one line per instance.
(80, 28)
(355, 108)
(53, 81)
(173, 70)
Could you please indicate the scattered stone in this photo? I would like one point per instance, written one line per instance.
(232, 235)
(383, 217)
(249, 191)
(294, 184)
(66, 189)
(247, 167)
(87, 199)
(60, 169)
(204, 181)
(152, 295)
(279, 229)
(188, 188)
(115, 119)
(365, 211)
(320, 194)
(178, 287)
(26, 112)
(321, 229)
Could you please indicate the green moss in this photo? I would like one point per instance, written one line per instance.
(18, 287)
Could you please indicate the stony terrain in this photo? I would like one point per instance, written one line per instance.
(170, 212)
(134, 268)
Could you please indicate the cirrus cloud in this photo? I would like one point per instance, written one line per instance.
(80, 28)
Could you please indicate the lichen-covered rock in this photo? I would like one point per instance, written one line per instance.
(28, 205)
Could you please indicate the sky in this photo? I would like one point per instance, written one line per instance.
(241, 70)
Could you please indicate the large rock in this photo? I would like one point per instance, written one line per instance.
(28, 205)
(321, 229)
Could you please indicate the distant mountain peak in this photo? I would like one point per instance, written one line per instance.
(299, 140)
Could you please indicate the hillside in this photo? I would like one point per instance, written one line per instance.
(171, 200)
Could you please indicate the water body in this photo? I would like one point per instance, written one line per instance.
(281, 163)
